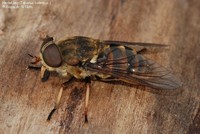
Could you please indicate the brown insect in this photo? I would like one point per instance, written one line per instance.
(87, 58)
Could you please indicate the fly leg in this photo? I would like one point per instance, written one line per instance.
(56, 105)
(37, 59)
(44, 74)
(88, 81)
(86, 101)
(58, 99)
(32, 65)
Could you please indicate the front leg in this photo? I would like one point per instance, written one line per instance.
(44, 74)
(34, 67)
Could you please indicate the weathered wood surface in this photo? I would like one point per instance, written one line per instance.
(25, 101)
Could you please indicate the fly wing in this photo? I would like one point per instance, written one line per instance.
(129, 44)
(152, 74)
(138, 46)
(122, 63)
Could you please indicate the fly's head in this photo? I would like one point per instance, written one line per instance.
(50, 54)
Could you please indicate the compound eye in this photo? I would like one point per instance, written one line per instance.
(52, 56)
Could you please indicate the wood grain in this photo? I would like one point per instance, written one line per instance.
(25, 101)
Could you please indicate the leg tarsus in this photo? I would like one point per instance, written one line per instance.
(33, 67)
(86, 118)
(50, 114)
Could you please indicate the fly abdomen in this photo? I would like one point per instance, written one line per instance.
(116, 58)
(138, 64)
